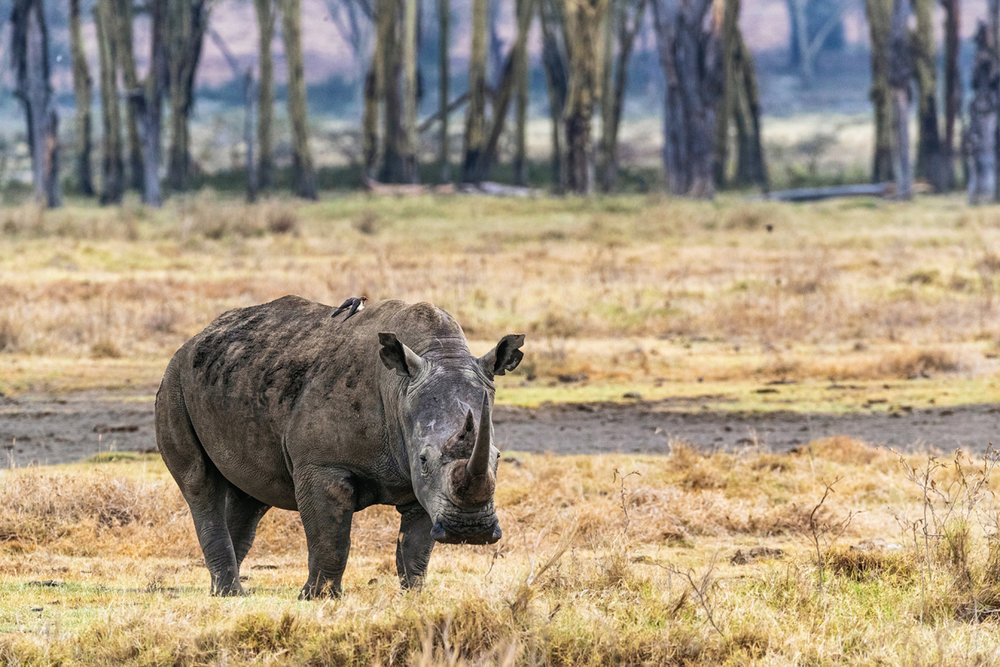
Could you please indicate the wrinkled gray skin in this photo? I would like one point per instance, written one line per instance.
(279, 405)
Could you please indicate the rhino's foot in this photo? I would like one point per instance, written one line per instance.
(232, 590)
(317, 591)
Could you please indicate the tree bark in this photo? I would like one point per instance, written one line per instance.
(879, 13)
(30, 52)
(900, 73)
(444, 44)
(689, 50)
(123, 35)
(952, 85)
(112, 167)
(626, 24)
(82, 85)
(303, 173)
(980, 134)
(582, 20)
(751, 169)
(521, 107)
(556, 82)
(475, 116)
(931, 163)
(265, 93)
(504, 93)
(408, 145)
(388, 29)
(186, 24)
(249, 100)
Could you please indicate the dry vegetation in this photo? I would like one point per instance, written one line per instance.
(728, 558)
(639, 291)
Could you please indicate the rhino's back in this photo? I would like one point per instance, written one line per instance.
(258, 376)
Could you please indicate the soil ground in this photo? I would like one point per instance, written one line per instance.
(65, 428)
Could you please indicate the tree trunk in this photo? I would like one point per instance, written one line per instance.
(627, 22)
(475, 116)
(408, 145)
(952, 85)
(249, 99)
(387, 21)
(126, 65)
(30, 55)
(582, 21)
(112, 167)
(504, 93)
(879, 13)
(186, 23)
(900, 72)
(303, 173)
(800, 39)
(82, 84)
(265, 93)
(751, 168)
(556, 82)
(980, 134)
(729, 19)
(930, 152)
(444, 44)
(521, 107)
(692, 65)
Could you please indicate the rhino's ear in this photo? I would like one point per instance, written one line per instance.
(504, 357)
(398, 357)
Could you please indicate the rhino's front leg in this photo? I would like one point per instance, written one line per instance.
(413, 547)
(325, 498)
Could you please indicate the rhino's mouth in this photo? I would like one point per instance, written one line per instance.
(446, 534)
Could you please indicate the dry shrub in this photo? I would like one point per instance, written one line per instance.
(872, 564)
(694, 468)
(281, 218)
(918, 363)
(843, 449)
(105, 348)
(367, 222)
(11, 332)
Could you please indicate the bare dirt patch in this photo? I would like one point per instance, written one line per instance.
(72, 427)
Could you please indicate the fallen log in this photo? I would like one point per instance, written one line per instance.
(488, 188)
(832, 192)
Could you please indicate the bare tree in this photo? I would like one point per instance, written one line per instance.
(582, 20)
(980, 134)
(265, 93)
(82, 84)
(112, 167)
(931, 159)
(303, 173)
(249, 102)
(900, 73)
(952, 84)
(807, 41)
(145, 98)
(408, 144)
(879, 13)
(688, 41)
(186, 24)
(739, 105)
(444, 43)
(521, 106)
(554, 62)
(30, 51)
(475, 116)
(622, 25)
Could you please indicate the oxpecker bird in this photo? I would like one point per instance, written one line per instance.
(354, 304)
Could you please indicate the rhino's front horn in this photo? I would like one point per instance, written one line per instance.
(479, 462)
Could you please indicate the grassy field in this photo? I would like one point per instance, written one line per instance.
(634, 293)
(836, 553)
(605, 559)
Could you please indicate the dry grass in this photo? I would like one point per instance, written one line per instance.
(605, 559)
(625, 289)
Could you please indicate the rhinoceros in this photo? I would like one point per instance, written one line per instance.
(280, 405)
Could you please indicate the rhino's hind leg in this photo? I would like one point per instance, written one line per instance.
(243, 513)
(414, 545)
(203, 486)
(325, 498)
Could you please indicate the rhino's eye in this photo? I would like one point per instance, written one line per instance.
(423, 459)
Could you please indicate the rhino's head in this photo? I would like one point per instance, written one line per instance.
(444, 415)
